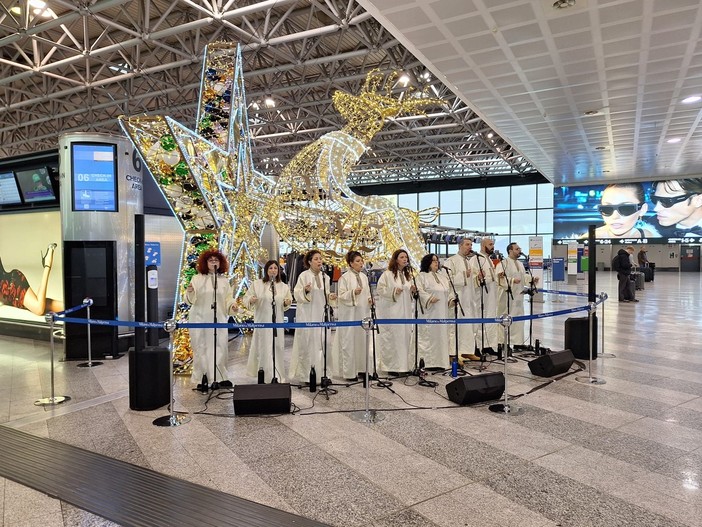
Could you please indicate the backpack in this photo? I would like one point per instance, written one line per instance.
(615, 263)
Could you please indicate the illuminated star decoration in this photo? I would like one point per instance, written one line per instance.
(208, 177)
(313, 205)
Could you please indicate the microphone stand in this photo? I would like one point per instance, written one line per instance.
(456, 306)
(483, 291)
(215, 384)
(274, 379)
(375, 329)
(325, 381)
(418, 371)
(510, 297)
(531, 292)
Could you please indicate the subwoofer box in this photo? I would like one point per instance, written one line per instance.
(577, 337)
(251, 399)
(476, 388)
(552, 364)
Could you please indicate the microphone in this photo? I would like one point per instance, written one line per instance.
(448, 270)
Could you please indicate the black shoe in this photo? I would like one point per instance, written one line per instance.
(393, 374)
(225, 384)
(489, 351)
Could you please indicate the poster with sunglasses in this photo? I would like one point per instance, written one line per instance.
(630, 213)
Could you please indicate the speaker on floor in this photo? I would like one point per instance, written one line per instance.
(577, 338)
(552, 364)
(252, 399)
(476, 388)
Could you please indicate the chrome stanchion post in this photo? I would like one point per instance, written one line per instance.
(367, 416)
(592, 309)
(604, 296)
(505, 407)
(87, 302)
(174, 418)
(46, 401)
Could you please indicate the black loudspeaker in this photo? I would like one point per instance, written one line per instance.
(251, 399)
(552, 364)
(576, 337)
(149, 378)
(477, 388)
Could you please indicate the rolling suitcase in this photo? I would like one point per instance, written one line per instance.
(638, 279)
(648, 274)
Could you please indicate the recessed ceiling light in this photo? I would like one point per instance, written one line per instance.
(674, 140)
(591, 112)
(563, 4)
(600, 148)
(691, 99)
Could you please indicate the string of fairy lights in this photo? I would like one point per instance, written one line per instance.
(221, 201)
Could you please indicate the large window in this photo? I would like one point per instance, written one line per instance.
(511, 213)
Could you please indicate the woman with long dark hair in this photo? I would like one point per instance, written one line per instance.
(308, 346)
(349, 349)
(212, 269)
(260, 297)
(435, 296)
(395, 293)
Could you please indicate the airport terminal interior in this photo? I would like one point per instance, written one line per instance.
(165, 128)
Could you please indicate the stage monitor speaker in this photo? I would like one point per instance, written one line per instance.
(252, 399)
(552, 364)
(476, 388)
(577, 339)
(149, 378)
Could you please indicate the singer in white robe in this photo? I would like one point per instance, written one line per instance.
(395, 341)
(460, 268)
(484, 272)
(309, 344)
(516, 276)
(353, 303)
(259, 297)
(434, 294)
(200, 294)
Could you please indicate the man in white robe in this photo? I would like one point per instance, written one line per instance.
(460, 269)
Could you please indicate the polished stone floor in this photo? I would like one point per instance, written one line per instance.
(628, 452)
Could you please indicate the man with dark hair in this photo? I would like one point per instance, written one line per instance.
(622, 265)
(678, 204)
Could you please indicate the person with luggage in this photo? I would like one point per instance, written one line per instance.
(622, 265)
(644, 265)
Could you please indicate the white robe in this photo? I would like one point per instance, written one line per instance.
(202, 340)
(349, 349)
(513, 269)
(308, 345)
(261, 352)
(434, 338)
(489, 298)
(467, 296)
(395, 342)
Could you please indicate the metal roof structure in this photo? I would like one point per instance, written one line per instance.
(70, 66)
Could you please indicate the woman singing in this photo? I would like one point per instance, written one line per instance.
(212, 267)
(349, 350)
(435, 296)
(395, 292)
(310, 290)
(260, 298)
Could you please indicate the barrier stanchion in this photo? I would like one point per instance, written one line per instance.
(505, 407)
(592, 309)
(47, 401)
(604, 296)
(368, 415)
(174, 418)
(87, 302)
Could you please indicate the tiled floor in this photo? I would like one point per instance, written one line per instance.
(628, 452)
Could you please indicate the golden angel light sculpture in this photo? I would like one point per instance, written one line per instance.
(208, 177)
(312, 204)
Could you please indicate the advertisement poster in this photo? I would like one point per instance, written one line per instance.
(29, 288)
(630, 213)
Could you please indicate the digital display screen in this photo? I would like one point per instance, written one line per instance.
(94, 176)
(35, 185)
(9, 193)
(630, 213)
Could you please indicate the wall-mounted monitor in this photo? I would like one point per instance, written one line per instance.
(94, 176)
(667, 211)
(35, 185)
(9, 193)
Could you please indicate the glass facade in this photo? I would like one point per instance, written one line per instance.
(512, 213)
